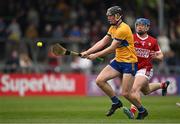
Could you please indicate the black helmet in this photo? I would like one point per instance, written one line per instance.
(114, 10)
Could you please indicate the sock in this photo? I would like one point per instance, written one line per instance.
(141, 109)
(115, 100)
(163, 85)
(133, 109)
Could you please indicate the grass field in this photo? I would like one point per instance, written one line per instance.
(82, 110)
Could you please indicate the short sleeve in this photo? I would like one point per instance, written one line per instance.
(156, 46)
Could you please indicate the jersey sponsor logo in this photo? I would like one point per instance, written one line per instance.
(144, 53)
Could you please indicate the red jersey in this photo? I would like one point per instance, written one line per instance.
(144, 47)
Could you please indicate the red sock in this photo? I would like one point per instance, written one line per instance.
(163, 85)
(133, 109)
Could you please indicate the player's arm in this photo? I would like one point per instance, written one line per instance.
(105, 51)
(158, 56)
(98, 46)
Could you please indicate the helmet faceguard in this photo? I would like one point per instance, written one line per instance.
(142, 21)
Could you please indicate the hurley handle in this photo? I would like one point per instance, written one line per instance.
(99, 59)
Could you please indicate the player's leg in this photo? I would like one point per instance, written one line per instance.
(126, 89)
(127, 83)
(106, 74)
(142, 81)
(139, 82)
(146, 89)
(152, 87)
(164, 86)
(155, 86)
(125, 109)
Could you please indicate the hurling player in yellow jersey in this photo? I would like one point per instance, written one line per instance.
(124, 64)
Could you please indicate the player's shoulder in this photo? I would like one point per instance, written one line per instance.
(110, 30)
(111, 27)
(135, 35)
(123, 28)
(151, 38)
(123, 25)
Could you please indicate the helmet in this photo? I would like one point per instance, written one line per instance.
(114, 10)
(143, 21)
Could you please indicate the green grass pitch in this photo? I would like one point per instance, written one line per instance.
(83, 110)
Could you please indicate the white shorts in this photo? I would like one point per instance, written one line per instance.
(144, 72)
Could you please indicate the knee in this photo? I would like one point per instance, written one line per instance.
(146, 92)
(99, 82)
(133, 91)
(125, 94)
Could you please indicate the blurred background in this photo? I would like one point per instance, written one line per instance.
(77, 25)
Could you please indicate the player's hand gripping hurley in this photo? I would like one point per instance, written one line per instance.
(57, 49)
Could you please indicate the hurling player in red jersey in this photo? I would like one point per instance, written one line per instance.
(147, 49)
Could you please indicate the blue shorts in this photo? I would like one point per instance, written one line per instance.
(124, 67)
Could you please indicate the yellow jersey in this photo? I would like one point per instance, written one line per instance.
(126, 50)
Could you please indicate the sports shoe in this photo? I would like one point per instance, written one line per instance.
(128, 113)
(113, 108)
(142, 115)
(164, 89)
